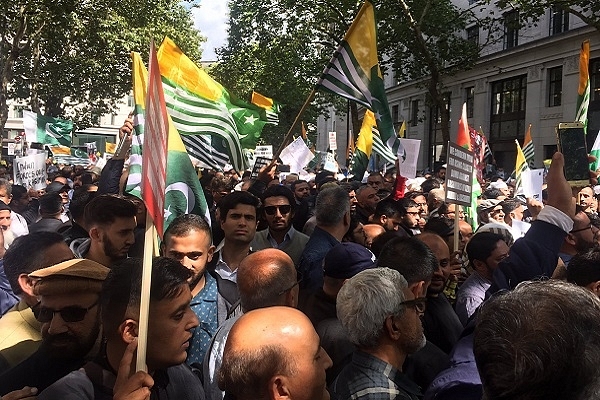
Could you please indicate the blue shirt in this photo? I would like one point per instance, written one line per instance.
(7, 298)
(204, 305)
(369, 377)
(311, 261)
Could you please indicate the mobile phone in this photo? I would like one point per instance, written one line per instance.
(572, 144)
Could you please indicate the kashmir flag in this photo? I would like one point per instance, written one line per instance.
(463, 139)
(272, 108)
(596, 153)
(354, 73)
(528, 149)
(110, 148)
(69, 155)
(379, 148)
(364, 146)
(183, 193)
(198, 105)
(47, 130)
(583, 91)
(520, 166)
(402, 130)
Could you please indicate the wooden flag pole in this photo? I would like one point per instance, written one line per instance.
(142, 346)
(456, 226)
(289, 134)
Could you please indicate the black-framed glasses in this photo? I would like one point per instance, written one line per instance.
(419, 304)
(68, 314)
(582, 229)
(298, 280)
(271, 210)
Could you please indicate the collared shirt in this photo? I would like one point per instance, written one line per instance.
(204, 305)
(289, 236)
(369, 377)
(311, 261)
(470, 295)
(224, 271)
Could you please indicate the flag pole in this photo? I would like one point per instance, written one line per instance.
(289, 134)
(145, 294)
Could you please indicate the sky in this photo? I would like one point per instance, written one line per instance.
(211, 19)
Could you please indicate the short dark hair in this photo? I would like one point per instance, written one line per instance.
(481, 245)
(387, 207)
(492, 193)
(121, 290)
(280, 190)
(296, 183)
(106, 208)
(18, 191)
(381, 240)
(584, 267)
(26, 254)
(232, 200)
(184, 224)
(409, 256)
(510, 205)
(514, 362)
(431, 183)
(50, 204)
(444, 227)
(81, 197)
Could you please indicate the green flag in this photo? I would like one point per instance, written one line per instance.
(183, 193)
(47, 130)
(354, 73)
(198, 105)
(583, 90)
(364, 146)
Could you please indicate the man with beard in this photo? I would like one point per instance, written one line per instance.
(580, 238)
(111, 222)
(70, 316)
(367, 203)
(382, 318)
(278, 206)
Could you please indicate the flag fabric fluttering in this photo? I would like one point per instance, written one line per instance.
(528, 149)
(47, 130)
(463, 139)
(354, 73)
(271, 107)
(381, 149)
(520, 166)
(364, 146)
(583, 90)
(596, 153)
(478, 147)
(183, 193)
(402, 130)
(198, 105)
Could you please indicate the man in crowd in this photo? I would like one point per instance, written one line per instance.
(22, 204)
(51, 209)
(20, 332)
(388, 214)
(70, 317)
(584, 270)
(188, 240)
(171, 321)
(333, 221)
(485, 251)
(580, 238)
(111, 222)
(539, 341)
(81, 197)
(382, 318)
(18, 224)
(279, 206)
(266, 278)
(304, 203)
(513, 210)
(375, 180)
(274, 353)
(367, 203)
(411, 217)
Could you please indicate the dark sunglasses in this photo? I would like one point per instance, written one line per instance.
(68, 314)
(271, 210)
(419, 304)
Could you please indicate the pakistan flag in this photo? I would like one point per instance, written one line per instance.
(47, 130)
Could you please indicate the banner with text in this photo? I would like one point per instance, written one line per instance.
(459, 175)
(30, 171)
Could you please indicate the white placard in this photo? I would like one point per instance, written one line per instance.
(264, 151)
(330, 163)
(532, 181)
(30, 171)
(332, 141)
(519, 228)
(408, 168)
(11, 149)
(297, 155)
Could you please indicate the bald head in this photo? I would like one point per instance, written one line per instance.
(372, 231)
(274, 350)
(267, 278)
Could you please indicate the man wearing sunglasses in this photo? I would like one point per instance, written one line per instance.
(278, 210)
(580, 238)
(70, 316)
(383, 319)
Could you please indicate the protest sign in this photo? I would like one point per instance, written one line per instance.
(264, 151)
(533, 180)
(30, 171)
(297, 155)
(259, 162)
(459, 175)
(408, 168)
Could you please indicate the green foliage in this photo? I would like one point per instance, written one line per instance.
(78, 65)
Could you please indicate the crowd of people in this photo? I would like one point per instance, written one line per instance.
(301, 289)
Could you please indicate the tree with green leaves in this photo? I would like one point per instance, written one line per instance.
(71, 58)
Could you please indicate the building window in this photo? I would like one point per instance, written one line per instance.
(554, 86)
(414, 113)
(595, 80)
(559, 21)
(470, 100)
(18, 111)
(473, 34)
(511, 29)
(130, 101)
(395, 113)
(508, 108)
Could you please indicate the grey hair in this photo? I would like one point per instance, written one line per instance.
(366, 300)
(331, 206)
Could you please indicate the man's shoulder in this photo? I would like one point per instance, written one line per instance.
(75, 385)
